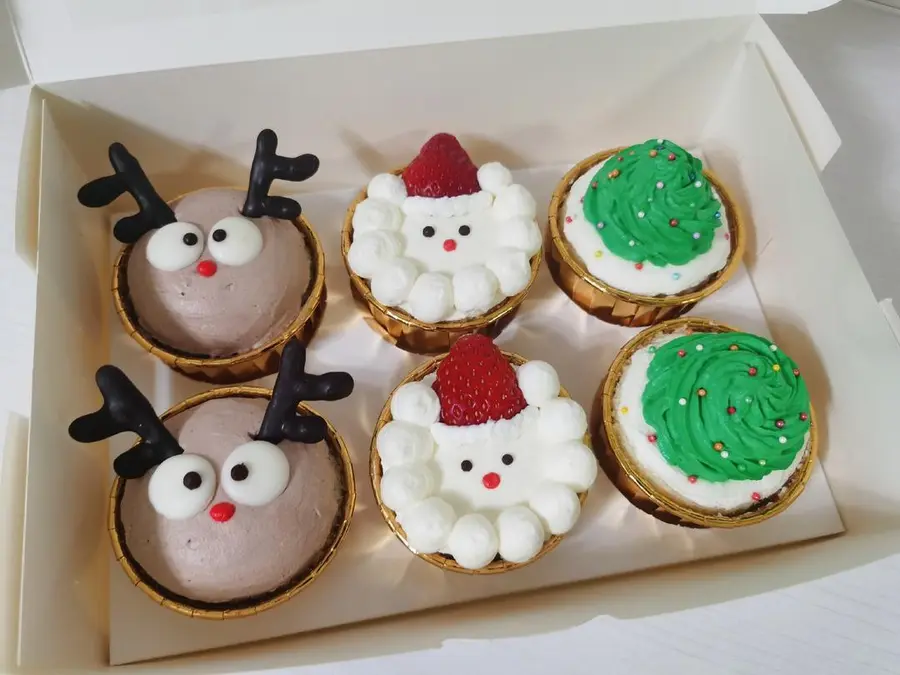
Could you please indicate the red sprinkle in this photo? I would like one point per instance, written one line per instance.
(796, 371)
(653, 153)
(620, 158)
(731, 410)
(692, 479)
(594, 185)
(651, 438)
(804, 417)
(671, 156)
(727, 236)
(673, 222)
(756, 496)
(752, 371)
(779, 424)
(639, 266)
(681, 352)
(568, 219)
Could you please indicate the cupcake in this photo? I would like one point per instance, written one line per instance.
(702, 425)
(640, 234)
(442, 248)
(215, 282)
(232, 501)
(479, 462)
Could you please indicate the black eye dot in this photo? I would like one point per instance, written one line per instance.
(466, 465)
(428, 231)
(219, 235)
(190, 239)
(507, 459)
(192, 480)
(239, 472)
(465, 230)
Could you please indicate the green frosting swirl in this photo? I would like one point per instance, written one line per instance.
(745, 411)
(652, 203)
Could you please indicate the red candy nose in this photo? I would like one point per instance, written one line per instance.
(206, 268)
(449, 244)
(491, 480)
(222, 512)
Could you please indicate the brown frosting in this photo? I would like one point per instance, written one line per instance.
(236, 309)
(260, 548)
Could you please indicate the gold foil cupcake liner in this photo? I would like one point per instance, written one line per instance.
(608, 303)
(640, 489)
(446, 562)
(250, 365)
(408, 333)
(162, 596)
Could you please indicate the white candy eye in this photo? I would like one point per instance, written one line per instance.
(235, 241)
(182, 486)
(255, 473)
(175, 246)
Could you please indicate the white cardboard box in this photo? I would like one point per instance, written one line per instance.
(722, 84)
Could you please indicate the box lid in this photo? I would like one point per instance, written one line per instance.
(77, 39)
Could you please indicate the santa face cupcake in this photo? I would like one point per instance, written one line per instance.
(216, 281)
(232, 501)
(641, 234)
(443, 249)
(703, 425)
(479, 462)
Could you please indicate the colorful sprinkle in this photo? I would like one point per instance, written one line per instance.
(601, 225)
(718, 214)
(651, 438)
(756, 496)
(652, 349)
(671, 156)
(676, 276)
(653, 153)
(660, 140)
(639, 266)
(692, 479)
(631, 243)
(782, 439)
(774, 348)
(682, 353)
(731, 410)
(699, 348)
(581, 201)
(752, 371)
(701, 392)
(733, 348)
(598, 253)
(749, 399)
(696, 235)
(682, 401)
(776, 367)
(697, 183)
(641, 214)
(796, 371)
(624, 409)
(803, 417)
(615, 173)
(762, 462)
(594, 185)
(660, 185)
(724, 454)
(692, 175)
(727, 236)
(673, 222)
(779, 424)
(718, 446)
(568, 219)
(620, 158)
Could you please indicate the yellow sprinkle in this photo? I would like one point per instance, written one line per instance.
(598, 254)
(776, 367)
(624, 409)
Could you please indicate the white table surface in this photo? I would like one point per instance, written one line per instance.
(844, 624)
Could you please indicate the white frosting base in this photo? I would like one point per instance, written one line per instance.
(444, 508)
(419, 274)
(724, 497)
(622, 274)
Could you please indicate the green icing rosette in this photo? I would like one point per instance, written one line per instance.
(726, 406)
(651, 203)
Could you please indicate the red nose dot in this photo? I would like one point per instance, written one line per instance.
(449, 244)
(206, 268)
(222, 512)
(491, 480)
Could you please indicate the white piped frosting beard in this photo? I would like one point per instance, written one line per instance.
(447, 258)
(501, 487)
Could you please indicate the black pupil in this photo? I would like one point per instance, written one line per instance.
(190, 239)
(464, 230)
(239, 472)
(192, 480)
(507, 459)
(466, 465)
(219, 235)
(428, 231)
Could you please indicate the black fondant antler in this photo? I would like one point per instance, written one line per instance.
(126, 409)
(294, 385)
(267, 166)
(153, 212)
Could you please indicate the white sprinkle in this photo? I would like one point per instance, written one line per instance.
(696, 235)
(697, 183)
(782, 439)
(773, 348)
(749, 399)
(676, 276)
(682, 401)
(724, 454)
(659, 140)
(660, 185)
(631, 243)
(699, 348)
(600, 226)
(762, 462)
(640, 214)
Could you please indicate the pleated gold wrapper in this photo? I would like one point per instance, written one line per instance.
(408, 333)
(441, 560)
(608, 303)
(250, 365)
(652, 498)
(237, 609)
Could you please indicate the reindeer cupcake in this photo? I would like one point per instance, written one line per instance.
(232, 501)
(215, 282)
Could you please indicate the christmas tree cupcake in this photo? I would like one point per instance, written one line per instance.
(232, 501)
(217, 281)
(641, 234)
(442, 248)
(702, 425)
(479, 462)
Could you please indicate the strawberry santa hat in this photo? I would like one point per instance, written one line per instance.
(442, 181)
